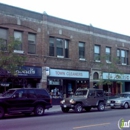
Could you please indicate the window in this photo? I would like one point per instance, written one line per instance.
(96, 75)
(31, 43)
(58, 47)
(108, 54)
(97, 53)
(3, 39)
(18, 37)
(122, 56)
(81, 50)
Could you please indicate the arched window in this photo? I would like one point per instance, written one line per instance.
(96, 75)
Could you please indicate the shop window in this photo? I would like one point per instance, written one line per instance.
(3, 39)
(108, 54)
(81, 50)
(96, 75)
(31, 43)
(97, 53)
(58, 47)
(18, 37)
(122, 56)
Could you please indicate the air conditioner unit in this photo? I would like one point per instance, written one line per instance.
(124, 64)
(107, 61)
(97, 61)
(60, 56)
(18, 51)
(82, 59)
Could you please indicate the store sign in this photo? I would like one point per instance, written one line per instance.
(115, 76)
(69, 73)
(30, 71)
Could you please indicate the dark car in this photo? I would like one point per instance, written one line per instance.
(84, 99)
(25, 100)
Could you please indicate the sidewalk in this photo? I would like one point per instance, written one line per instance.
(55, 108)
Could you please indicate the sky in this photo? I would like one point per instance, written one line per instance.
(111, 15)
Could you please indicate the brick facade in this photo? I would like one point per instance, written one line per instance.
(45, 26)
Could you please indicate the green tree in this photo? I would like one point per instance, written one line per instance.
(9, 60)
(110, 68)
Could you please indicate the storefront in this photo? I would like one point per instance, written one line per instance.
(63, 83)
(120, 82)
(27, 76)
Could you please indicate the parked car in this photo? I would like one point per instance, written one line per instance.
(84, 99)
(25, 100)
(120, 101)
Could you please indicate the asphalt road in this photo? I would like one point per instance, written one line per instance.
(94, 120)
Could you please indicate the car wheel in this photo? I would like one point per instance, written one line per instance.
(65, 110)
(101, 106)
(88, 109)
(39, 110)
(78, 108)
(2, 112)
(126, 106)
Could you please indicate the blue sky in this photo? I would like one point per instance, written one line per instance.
(112, 15)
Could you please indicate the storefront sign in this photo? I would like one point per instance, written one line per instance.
(116, 76)
(30, 71)
(69, 73)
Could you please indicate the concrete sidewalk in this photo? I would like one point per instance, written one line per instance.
(55, 108)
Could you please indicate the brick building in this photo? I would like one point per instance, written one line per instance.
(66, 54)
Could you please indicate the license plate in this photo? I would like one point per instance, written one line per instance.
(65, 106)
(112, 105)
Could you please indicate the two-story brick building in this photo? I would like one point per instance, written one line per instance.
(66, 54)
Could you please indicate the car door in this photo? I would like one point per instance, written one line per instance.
(92, 98)
(18, 101)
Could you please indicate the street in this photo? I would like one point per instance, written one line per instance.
(93, 120)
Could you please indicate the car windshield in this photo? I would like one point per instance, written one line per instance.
(80, 92)
(8, 93)
(124, 95)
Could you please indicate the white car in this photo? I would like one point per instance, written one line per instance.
(120, 101)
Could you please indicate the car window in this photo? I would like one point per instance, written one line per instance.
(99, 93)
(8, 93)
(41, 93)
(91, 93)
(21, 94)
(31, 94)
(80, 92)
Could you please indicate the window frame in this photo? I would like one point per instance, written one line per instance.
(4, 39)
(61, 51)
(108, 55)
(122, 60)
(31, 42)
(81, 47)
(97, 55)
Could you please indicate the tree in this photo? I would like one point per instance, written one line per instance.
(110, 68)
(9, 60)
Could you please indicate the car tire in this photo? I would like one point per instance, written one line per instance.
(78, 108)
(101, 106)
(126, 106)
(87, 109)
(65, 110)
(2, 112)
(39, 110)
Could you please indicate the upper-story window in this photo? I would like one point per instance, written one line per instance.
(122, 56)
(31, 43)
(58, 47)
(108, 54)
(3, 39)
(81, 50)
(18, 37)
(97, 53)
